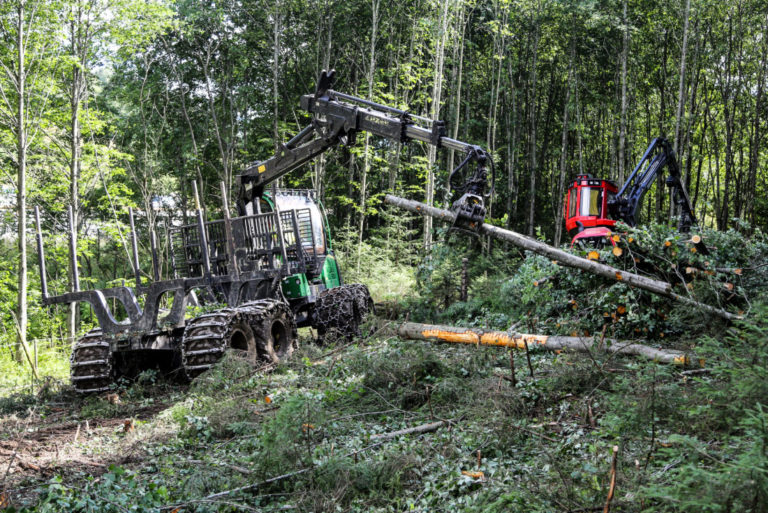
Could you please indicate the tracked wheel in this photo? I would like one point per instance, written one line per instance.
(274, 328)
(262, 330)
(363, 300)
(91, 364)
(341, 310)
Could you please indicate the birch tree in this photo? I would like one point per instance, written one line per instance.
(437, 91)
(28, 31)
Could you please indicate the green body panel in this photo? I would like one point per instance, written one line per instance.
(295, 286)
(330, 273)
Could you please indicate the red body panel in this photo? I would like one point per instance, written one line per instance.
(586, 207)
(600, 232)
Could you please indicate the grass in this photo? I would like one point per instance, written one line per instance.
(387, 280)
(687, 442)
(15, 376)
(542, 445)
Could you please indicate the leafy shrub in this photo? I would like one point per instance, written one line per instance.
(116, 491)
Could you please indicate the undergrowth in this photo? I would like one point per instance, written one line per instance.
(307, 435)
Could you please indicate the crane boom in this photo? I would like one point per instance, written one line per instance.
(337, 118)
(593, 205)
(629, 199)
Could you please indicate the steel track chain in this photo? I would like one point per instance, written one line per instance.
(342, 309)
(91, 364)
(207, 336)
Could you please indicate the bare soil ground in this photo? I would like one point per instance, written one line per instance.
(73, 437)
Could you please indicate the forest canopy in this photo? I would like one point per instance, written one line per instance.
(110, 104)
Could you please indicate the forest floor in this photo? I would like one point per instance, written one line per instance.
(319, 433)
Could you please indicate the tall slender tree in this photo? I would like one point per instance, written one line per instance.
(26, 85)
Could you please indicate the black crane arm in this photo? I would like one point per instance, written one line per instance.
(626, 205)
(337, 118)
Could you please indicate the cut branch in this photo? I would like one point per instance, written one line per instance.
(437, 333)
(424, 428)
(661, 288)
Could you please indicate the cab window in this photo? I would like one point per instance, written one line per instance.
(297, 202)
(572, 202)
(591, 201)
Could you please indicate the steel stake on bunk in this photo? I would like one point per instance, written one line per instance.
(228, 230)
(72, 251)
(40, 255)
(153, 248)
(201, 228)
(135, 246)
(279, 226)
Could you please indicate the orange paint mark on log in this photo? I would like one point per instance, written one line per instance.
(450, 336)
(501, 339)
(494, 338)
(535, 339)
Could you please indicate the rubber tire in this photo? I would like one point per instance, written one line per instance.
(91, 353)
(275, 334)
(242, 338)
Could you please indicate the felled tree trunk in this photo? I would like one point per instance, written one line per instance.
(561, 257)
(438, 333)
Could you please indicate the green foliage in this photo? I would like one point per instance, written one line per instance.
(183, 90)
(382, 262)
(537, 295)
(122, 489)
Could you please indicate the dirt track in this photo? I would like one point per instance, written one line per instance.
(38, 446)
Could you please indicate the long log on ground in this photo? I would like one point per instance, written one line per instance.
(563, 257)
(475, 336)
(424, 428)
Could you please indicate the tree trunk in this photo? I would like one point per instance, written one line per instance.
(757, 133)
(564, 149)
(532, 97)
(680, 99)
(75, 99)
(563, 257)
(277, 30)
(480, 337)
(459, 78)
(437, 89)
(662, 110)
(623, 120)
(366, 147)
(21, 207)
(681, 87)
